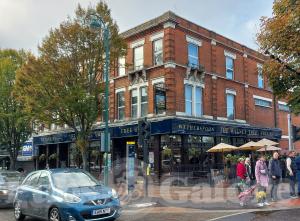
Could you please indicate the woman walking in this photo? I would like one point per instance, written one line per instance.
(262, 180)
(241, 174)
(250, 175)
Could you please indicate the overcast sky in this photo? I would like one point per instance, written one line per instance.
(24, 23)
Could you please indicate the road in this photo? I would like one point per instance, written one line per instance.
(148, 214)
(182, 214)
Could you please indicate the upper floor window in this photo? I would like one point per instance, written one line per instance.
(198, 101)
(229, 67)
(193, 100)
(260, 77)
(134, 103)
(121, 70)
(230, 101)
(158, 52)
(144, 101)
(193, 58)
(188, 99)
(283, 106)
(138, 57)
(121, 105)
(263, 102)
(160, 98)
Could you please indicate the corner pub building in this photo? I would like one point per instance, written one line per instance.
(197, 88)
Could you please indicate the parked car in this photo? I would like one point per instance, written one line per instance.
(9, 181)
(65, 195)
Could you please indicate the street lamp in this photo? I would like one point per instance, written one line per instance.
(96, 22)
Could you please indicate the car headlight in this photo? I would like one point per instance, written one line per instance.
(114, 193)
(70, 198)
(3, 192)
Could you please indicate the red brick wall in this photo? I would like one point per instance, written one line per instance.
(213, 59)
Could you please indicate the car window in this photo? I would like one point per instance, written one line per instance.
(43, 180)
(33, 179)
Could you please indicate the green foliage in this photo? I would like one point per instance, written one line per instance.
(279, 37)
(62, 85)
(15, 126)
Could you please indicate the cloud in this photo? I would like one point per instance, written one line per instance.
(24, 23)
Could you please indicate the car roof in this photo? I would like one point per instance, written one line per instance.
(63, 170)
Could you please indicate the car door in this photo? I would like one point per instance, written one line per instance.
(42, 195)
(27, 192)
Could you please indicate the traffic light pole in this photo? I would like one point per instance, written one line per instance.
(290, 132)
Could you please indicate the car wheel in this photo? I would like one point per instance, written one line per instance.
(54, 214)
(17, 212)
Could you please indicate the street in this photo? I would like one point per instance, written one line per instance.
(174, 214)
(148, 214)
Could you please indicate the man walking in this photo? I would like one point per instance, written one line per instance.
(292, 172)
(275, 174)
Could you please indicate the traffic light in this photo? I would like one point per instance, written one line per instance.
(295, 133)
(144, 131)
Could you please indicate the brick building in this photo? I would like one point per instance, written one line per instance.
(196, 87)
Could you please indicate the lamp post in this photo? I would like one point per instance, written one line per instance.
(96, 22)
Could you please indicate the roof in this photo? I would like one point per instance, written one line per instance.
(167, 16)
(172, 17)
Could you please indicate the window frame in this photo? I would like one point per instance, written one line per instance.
(261, 104)
(155, 53)
(143, 102)
(228, 68)
(260, 78)
(120, 107)
(186, 100)
(199, 102)
(120, 67)
(134, 58)
(192, 56)
(135, 104)
(233, 106)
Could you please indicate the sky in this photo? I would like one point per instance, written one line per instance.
(24, 23)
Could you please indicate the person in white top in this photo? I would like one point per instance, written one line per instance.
(292, 169)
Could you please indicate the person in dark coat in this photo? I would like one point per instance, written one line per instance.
(275, 174)
(250, 174)
(297, 162)
(292, 172)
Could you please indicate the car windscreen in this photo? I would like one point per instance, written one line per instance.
(67, 180)
(9, 177)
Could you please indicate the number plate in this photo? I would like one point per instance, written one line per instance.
(100, 211)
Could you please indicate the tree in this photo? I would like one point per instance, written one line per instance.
(279, 38)
(15, 126)
(63, 85)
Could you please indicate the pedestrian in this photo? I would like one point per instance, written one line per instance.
(262, 180)
(241, 174)
(250, 175)
(275, 175)
(297, 162)
(292, 171)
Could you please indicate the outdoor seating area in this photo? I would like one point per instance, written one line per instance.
(231, 154)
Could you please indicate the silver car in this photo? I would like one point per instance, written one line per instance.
(9, 181)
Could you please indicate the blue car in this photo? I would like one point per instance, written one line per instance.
(65, 195)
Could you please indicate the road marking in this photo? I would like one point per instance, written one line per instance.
(143, 205)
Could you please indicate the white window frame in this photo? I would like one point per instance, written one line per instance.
(136, 104)
(260, 76)
(194, 57)
(158, 52)
(120, 107)
(145, 102)
(234, 105)
(280, 104)
(255, 97)
(134, 58)
(231, 69)
(194, 85)
(138, 88)
(121, 66)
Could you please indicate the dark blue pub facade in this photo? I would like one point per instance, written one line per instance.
(175, 142)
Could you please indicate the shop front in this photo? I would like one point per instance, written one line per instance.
(178, 146)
